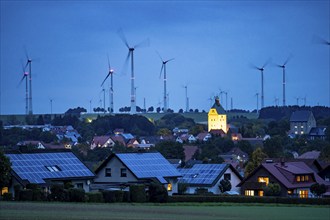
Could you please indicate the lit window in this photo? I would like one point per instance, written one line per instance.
(302, 132)
(108, 172)
(249, 192)
(263, 180)
(302, 178)
(261, 193)
(123, 172)
(306, 178)
(298, 178)
(169, 187)
(303, 194)
(4, 190)
(289, 192)
(301, 126)
(295, 126)
(296, 132)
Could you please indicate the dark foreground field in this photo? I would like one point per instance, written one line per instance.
(191, 211)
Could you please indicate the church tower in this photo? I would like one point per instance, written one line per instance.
(217, 118)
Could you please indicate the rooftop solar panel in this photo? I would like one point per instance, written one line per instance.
(33, 167)
(202, 173)
(149, 165)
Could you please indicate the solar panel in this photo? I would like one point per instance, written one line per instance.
(149, 165)
(202, 173)
(33, 167)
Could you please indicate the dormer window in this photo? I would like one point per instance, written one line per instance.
(302, 178)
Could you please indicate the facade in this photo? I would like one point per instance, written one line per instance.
(217, 118)
(294, 178)
(119, 171)
(301, 122)
(208, 176)
(102, 141)
(48, 168)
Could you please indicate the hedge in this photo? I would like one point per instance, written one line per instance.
(94, 197)
(7, 196)
(76, 195)
(138, 193)
(249, 199)
(26, 195)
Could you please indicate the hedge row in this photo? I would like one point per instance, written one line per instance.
(249, 199)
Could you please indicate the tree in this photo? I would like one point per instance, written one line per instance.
(245, 146)
(225, 185)
(273, 147)
(164, 132)
(257, 156)
(273, 189)
(171, 150)
(318, 189)
(5, 168)
(151, 109)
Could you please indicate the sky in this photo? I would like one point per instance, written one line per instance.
(214, 45)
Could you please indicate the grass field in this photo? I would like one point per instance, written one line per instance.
(191, 211)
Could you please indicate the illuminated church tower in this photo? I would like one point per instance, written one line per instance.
(217, 118)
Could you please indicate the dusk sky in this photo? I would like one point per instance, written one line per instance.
(214, 44)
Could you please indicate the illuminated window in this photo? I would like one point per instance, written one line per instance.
(108, 172)
(303, 194)
(261, 193)
(306, 178)
(123, 172)
(169, 187)
(263, 180)
(302, 178)
(302, 132)
(249, 192)
(301, 126)
(295, 126)
(4, 190)
(289, 192)
(296, 132)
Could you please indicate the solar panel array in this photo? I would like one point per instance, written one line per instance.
(149, 165)
(202, 173)
(33, 167)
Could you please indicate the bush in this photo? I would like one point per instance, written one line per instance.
(76, 195)
(318, 189)
(202, 191)
(138, 193)
(7, 196)
(225, 185)
(273, 189)
(157, 193)
(182, 188)
(109, 196)
(94, 197)
(26, 195)
(58, 193)
(126, 196)
(119, 195)
(17, 189)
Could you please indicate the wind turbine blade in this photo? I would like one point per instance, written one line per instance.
(105, 79)
(169, 60)
(161, 70)
(160, 57)
(287, 60)
(108, 62)
(26, 53)
(254, 66)
(125, 66)
(20, 82)
(144, 43)
(266, 63)
(122, 37)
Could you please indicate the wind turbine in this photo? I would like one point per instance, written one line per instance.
(283, 68)
(164, 62)
(131, 55)
(29, 64)
(110, 73)
(187, 99)
(226, 93)
(257, 94)
(262, 81)
(25, 76)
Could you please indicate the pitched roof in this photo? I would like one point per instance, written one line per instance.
(285, 174)
(217, 106)
(40, 167)
(310, 155)
(145, 165)
(101, 140)
(204, 174)
(300, 116)
(189, 151)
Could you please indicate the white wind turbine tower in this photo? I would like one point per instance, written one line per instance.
(163, 69)
(25, 76)
(262, 81)
(131, 55)
(110, 73)
(283, 81)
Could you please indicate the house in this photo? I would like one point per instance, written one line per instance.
(189, 151)
(217, 118)
(310, 155)
(120, 170)
(48, 167)
(203, 136)
(35, 144)
(208, 176)
(186, 138)
(102, 141)
(301, 122)
(318, 133)
(294, 178)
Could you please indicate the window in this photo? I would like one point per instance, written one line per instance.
(108, 172)
(227, 176)
(302, 132)
(53, 168)
(249, 192)
(123, 172)
(303, 194)
(261, 193)
(302, 178)
(289, 192)
(263, 180)
(169, 187)
(80, 185)
(4, 190)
